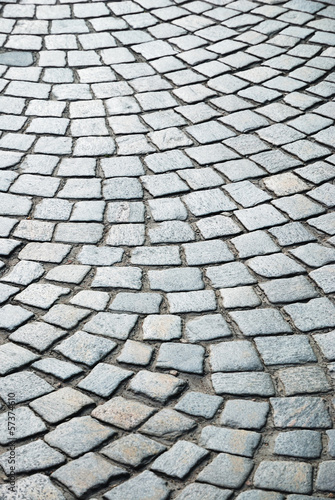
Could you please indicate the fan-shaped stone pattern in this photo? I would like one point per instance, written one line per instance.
(167, 249)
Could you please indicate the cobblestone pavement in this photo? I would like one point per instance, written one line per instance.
(167, 250)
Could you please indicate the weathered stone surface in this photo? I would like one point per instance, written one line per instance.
(142, 485)
(124, 413)
(226, 471)
(134, 450)
(293, 477)
(156, 386)
(179, 460)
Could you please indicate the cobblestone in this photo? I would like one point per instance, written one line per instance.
(166, 231)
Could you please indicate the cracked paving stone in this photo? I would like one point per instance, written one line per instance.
(260, 322)
(32, 457)
(116, 326)
(226, 471)
(244, 414)
(292, 477)
(13, 316)
(144, 485)
(35, 487)
(85, 348)
(104, 379)
(179, 460)
(157, 386)
(65, 316)
(313, 315)
(235, 356)
(61, 404)
(301, 412)
(236, 442)
(243, 384)
(302, 380)
(134, 450)
(123, 413)
(162, 327)
(301, 444)
(284, 350)
(167, 424)
(182, 357)
(30, 426)
(86, 473)
(26, 386)
(41, 295)
(38, 335)
(65, 436)
(13, 356)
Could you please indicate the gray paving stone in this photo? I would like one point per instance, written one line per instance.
(134, 450)
(234, 356)
(99, 256)
(104, 379)
(292, 233)
(262, 495)
(254, 243)
(293, 477)
(288, 289)
(12, 317)
(30, 426)
(92, 300)
(275, 266)
(182, 357)
(229, 275)
(86, 473)
(167, 209)
(25, 385)
(208, 202)
(237, 442)
(112, 325)
(85, 348)
(33, 457)
(142, 303)
(162, 327)
(198, 404)
(260, 322)
(301, 412)
(198, 491)
(167, 424)
(179, 460)
(176, 280)
(302, 380)
(41, 295)
(313, 315)
(285, 350)
(226, 471)
(157, 386)
(59, 369)
(35, 487)
(241, 296)
(243, 384)
(65, 316)
(198, 301)
(13, 357)
(208, 327)
(7, 291)
(325, 477)
(204, 252)
(135, 353)
(92, 434)
(123, 211)
(244, 414)
(303, 444)
(61, 404)
(118, 277)
(326, 343)
(142, 485)
(124, 413)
